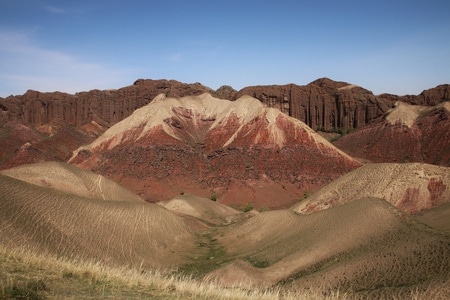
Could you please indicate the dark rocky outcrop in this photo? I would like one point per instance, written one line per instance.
(430, 97)
(105, 107)
(323, 104)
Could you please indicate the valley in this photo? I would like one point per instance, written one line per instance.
(166, 190)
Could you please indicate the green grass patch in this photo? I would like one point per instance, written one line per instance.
(214, 256)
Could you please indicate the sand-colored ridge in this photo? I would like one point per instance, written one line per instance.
(353, 246)
(71, 179)
(203, 110)
(201, 208)
(348, 87)
(437, 217)
(122, 233)
(405, 113)
(412, 187)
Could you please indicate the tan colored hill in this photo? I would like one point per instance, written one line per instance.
(406, 133)
(360, 246)
(412, 187)
(130, 233)
(201, 208)
(203, 145)
(438, 217)
(70, 179)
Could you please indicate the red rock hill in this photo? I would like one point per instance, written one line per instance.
(239, 150)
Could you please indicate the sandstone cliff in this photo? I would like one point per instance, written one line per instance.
(323, 104)
(104, 107)
(329, 105)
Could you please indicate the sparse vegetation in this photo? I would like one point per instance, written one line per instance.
(263, 208)
(28, 276)
(214, 256)
(248, 207)
(213, 196)
(306, 194)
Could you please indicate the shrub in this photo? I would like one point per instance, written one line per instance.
(213, 196)
(248, 207)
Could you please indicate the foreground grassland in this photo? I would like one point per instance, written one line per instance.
(27, 276)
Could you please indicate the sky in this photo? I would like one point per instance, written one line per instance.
(386, 46)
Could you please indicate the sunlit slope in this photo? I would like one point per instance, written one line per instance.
(359, 245)
(116, 232)
(67, 178)
(200, 208)
(412, 187)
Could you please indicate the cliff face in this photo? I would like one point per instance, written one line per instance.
(64, 121)
(104, 107)
(328, 105)
(430, 97)
(323, 104)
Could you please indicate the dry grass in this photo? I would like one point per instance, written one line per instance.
(45, 277)
(61, 279)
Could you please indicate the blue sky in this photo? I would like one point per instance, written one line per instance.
(393, 46)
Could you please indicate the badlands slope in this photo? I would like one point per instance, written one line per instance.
(70, 179)
(240, 150)
(201, 208)
(412, 187)
(406, 133)
(364, 245)
(126, 232)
